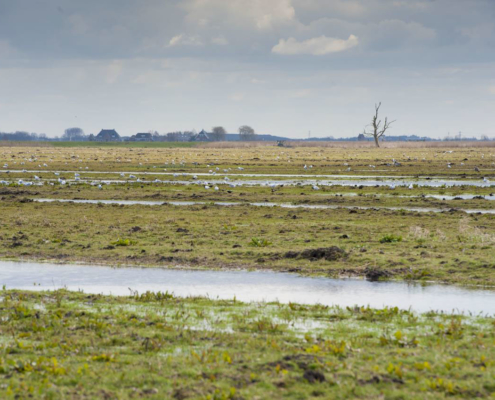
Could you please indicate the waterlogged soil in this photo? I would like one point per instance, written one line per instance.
(334, 196)
(156, 346)
(449, 247)
(462, 162)
(383, 241)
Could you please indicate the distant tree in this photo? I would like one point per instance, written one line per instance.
(156, 135)
(377, 129)
(246, 133)
(42, 136)
(172, 136)
(73, 134)
(91, 137)
(188, 135)
(218, 134)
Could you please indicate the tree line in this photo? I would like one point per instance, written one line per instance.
(76, 134)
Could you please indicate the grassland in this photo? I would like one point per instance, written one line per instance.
(139, 145)
(75, 346)
(448, 247)
(266, 159)
(79, 346)
(380, 243)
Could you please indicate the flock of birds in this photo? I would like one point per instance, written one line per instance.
(207, 185)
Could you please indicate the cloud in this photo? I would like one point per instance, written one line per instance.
(237, 97)
(318, 46)
(185, 40)
(259, 14)
(220, 41)
(491, 89)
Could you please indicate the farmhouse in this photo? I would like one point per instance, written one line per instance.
(201, 137)
(108, 135)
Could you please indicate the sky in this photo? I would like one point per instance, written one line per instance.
(285, 67)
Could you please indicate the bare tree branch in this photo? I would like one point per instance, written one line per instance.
(377, 130)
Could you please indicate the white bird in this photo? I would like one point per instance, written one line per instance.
(207, 187)
(240, 169)
(315, 187)
(195, 177)
(411, 186)
(216, 188)
(132, 177)
(56, 173)
(305, 167)
(36, 178)
(122, 174)
(391, 186)
(100, 187)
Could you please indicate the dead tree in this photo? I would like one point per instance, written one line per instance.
(377, 130)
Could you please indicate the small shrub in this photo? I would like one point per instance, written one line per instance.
(256, 242)
(391, 239)
(124, 242)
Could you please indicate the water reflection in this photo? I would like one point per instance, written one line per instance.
(247, 286)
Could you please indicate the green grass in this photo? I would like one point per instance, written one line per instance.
(125, 144)
(73, 345)
(450, 247)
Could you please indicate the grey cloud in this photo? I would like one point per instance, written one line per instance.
(112, 60)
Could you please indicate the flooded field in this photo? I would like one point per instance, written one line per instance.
(247, 287)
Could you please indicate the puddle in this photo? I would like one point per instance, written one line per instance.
(247, 287)
(266, 204)
(322, 180)
(392, 183)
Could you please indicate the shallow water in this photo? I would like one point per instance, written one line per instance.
(214, 180)
(265, 204)
(246, 286)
